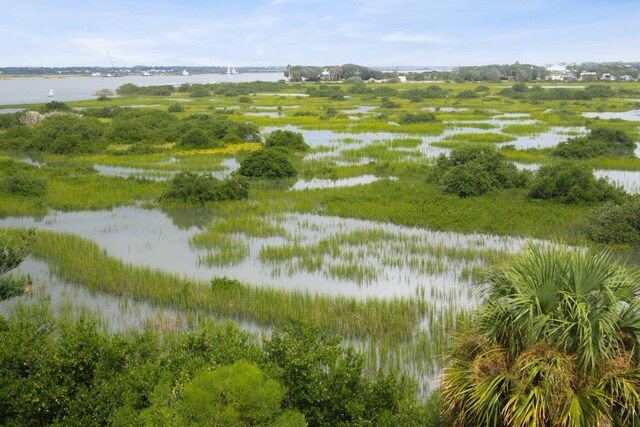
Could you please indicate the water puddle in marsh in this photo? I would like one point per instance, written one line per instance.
(327, 255)
(633, 115)
(226, 166)
(116, 313)
(318, 183)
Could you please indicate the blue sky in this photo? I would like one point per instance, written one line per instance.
(320, 32)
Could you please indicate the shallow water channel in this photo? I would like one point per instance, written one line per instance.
(320, 254)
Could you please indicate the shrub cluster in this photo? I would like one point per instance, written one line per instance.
(571, 182)
(218, 375)
(70, 133)
(267, 163)
(616, 224)
(473, 171)
(286, 139)
(191, 187)
(421, 117)
(23, 184)
(600, 142)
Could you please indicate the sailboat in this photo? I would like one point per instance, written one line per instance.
(51, 93)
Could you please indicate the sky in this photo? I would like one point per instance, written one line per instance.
(320, 32)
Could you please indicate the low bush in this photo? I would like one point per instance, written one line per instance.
(191, 187)
(421, 117)
(23, 184)
(616, 224)
(571, 182)
(267, 163)
(286, 139)
(473, 171)
(600, 142)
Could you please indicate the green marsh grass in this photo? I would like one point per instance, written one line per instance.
(79, 261)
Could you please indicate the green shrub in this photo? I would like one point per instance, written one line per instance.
(23, 184)
(12, 253)
(421, 117)
(467, 94)
(286, 139)
(267, 163)
(571, 182)
(175, 108)
(473, 171)
(194, 138)
(616, 224)
(600, 142)
(191, 187)
(67, 134)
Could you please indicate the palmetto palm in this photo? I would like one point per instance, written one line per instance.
(555, 343)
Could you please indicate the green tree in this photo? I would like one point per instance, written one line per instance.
(616, 224)
(473, 171)
(235, 395)
(12, 253)
(286, 139)
(267, 163)
(194, 138)
(571, 182)
(191, 187)
(554, 343)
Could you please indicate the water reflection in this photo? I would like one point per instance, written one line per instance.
(382, 260)
(317, 183)
(633, 115)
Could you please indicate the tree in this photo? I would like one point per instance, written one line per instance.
(554, 343)
(286, 139)
(600, 142)
(571, 182)
(12, 253)
(194, 138)
(473, 171)
(267, 163)
(616, 224)
(191, 187)
(234, 395)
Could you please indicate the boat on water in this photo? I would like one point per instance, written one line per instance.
(51, 93)
(231, 71)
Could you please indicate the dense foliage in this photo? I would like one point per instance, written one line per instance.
(286, 139)
(571, 182)
(71, 133)
(191, 187)
(473, 171)
(12, 252)
(267, 163)
(616, 224)
(600, 142)
(22, 183)
(421, 117)
(57, 371)
(554, 343)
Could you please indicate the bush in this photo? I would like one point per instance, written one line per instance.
(286, 139)
(467, 94)
(23, 184)
(68, 134)
(191, 187)
(473, 171)
(422, 117)
(175, 108)
(267, 164)
(194, 138)
(616, 224)
(12, 253)
(600, 142)
(570, 182)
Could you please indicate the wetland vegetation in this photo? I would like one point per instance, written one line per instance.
(427, 188)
